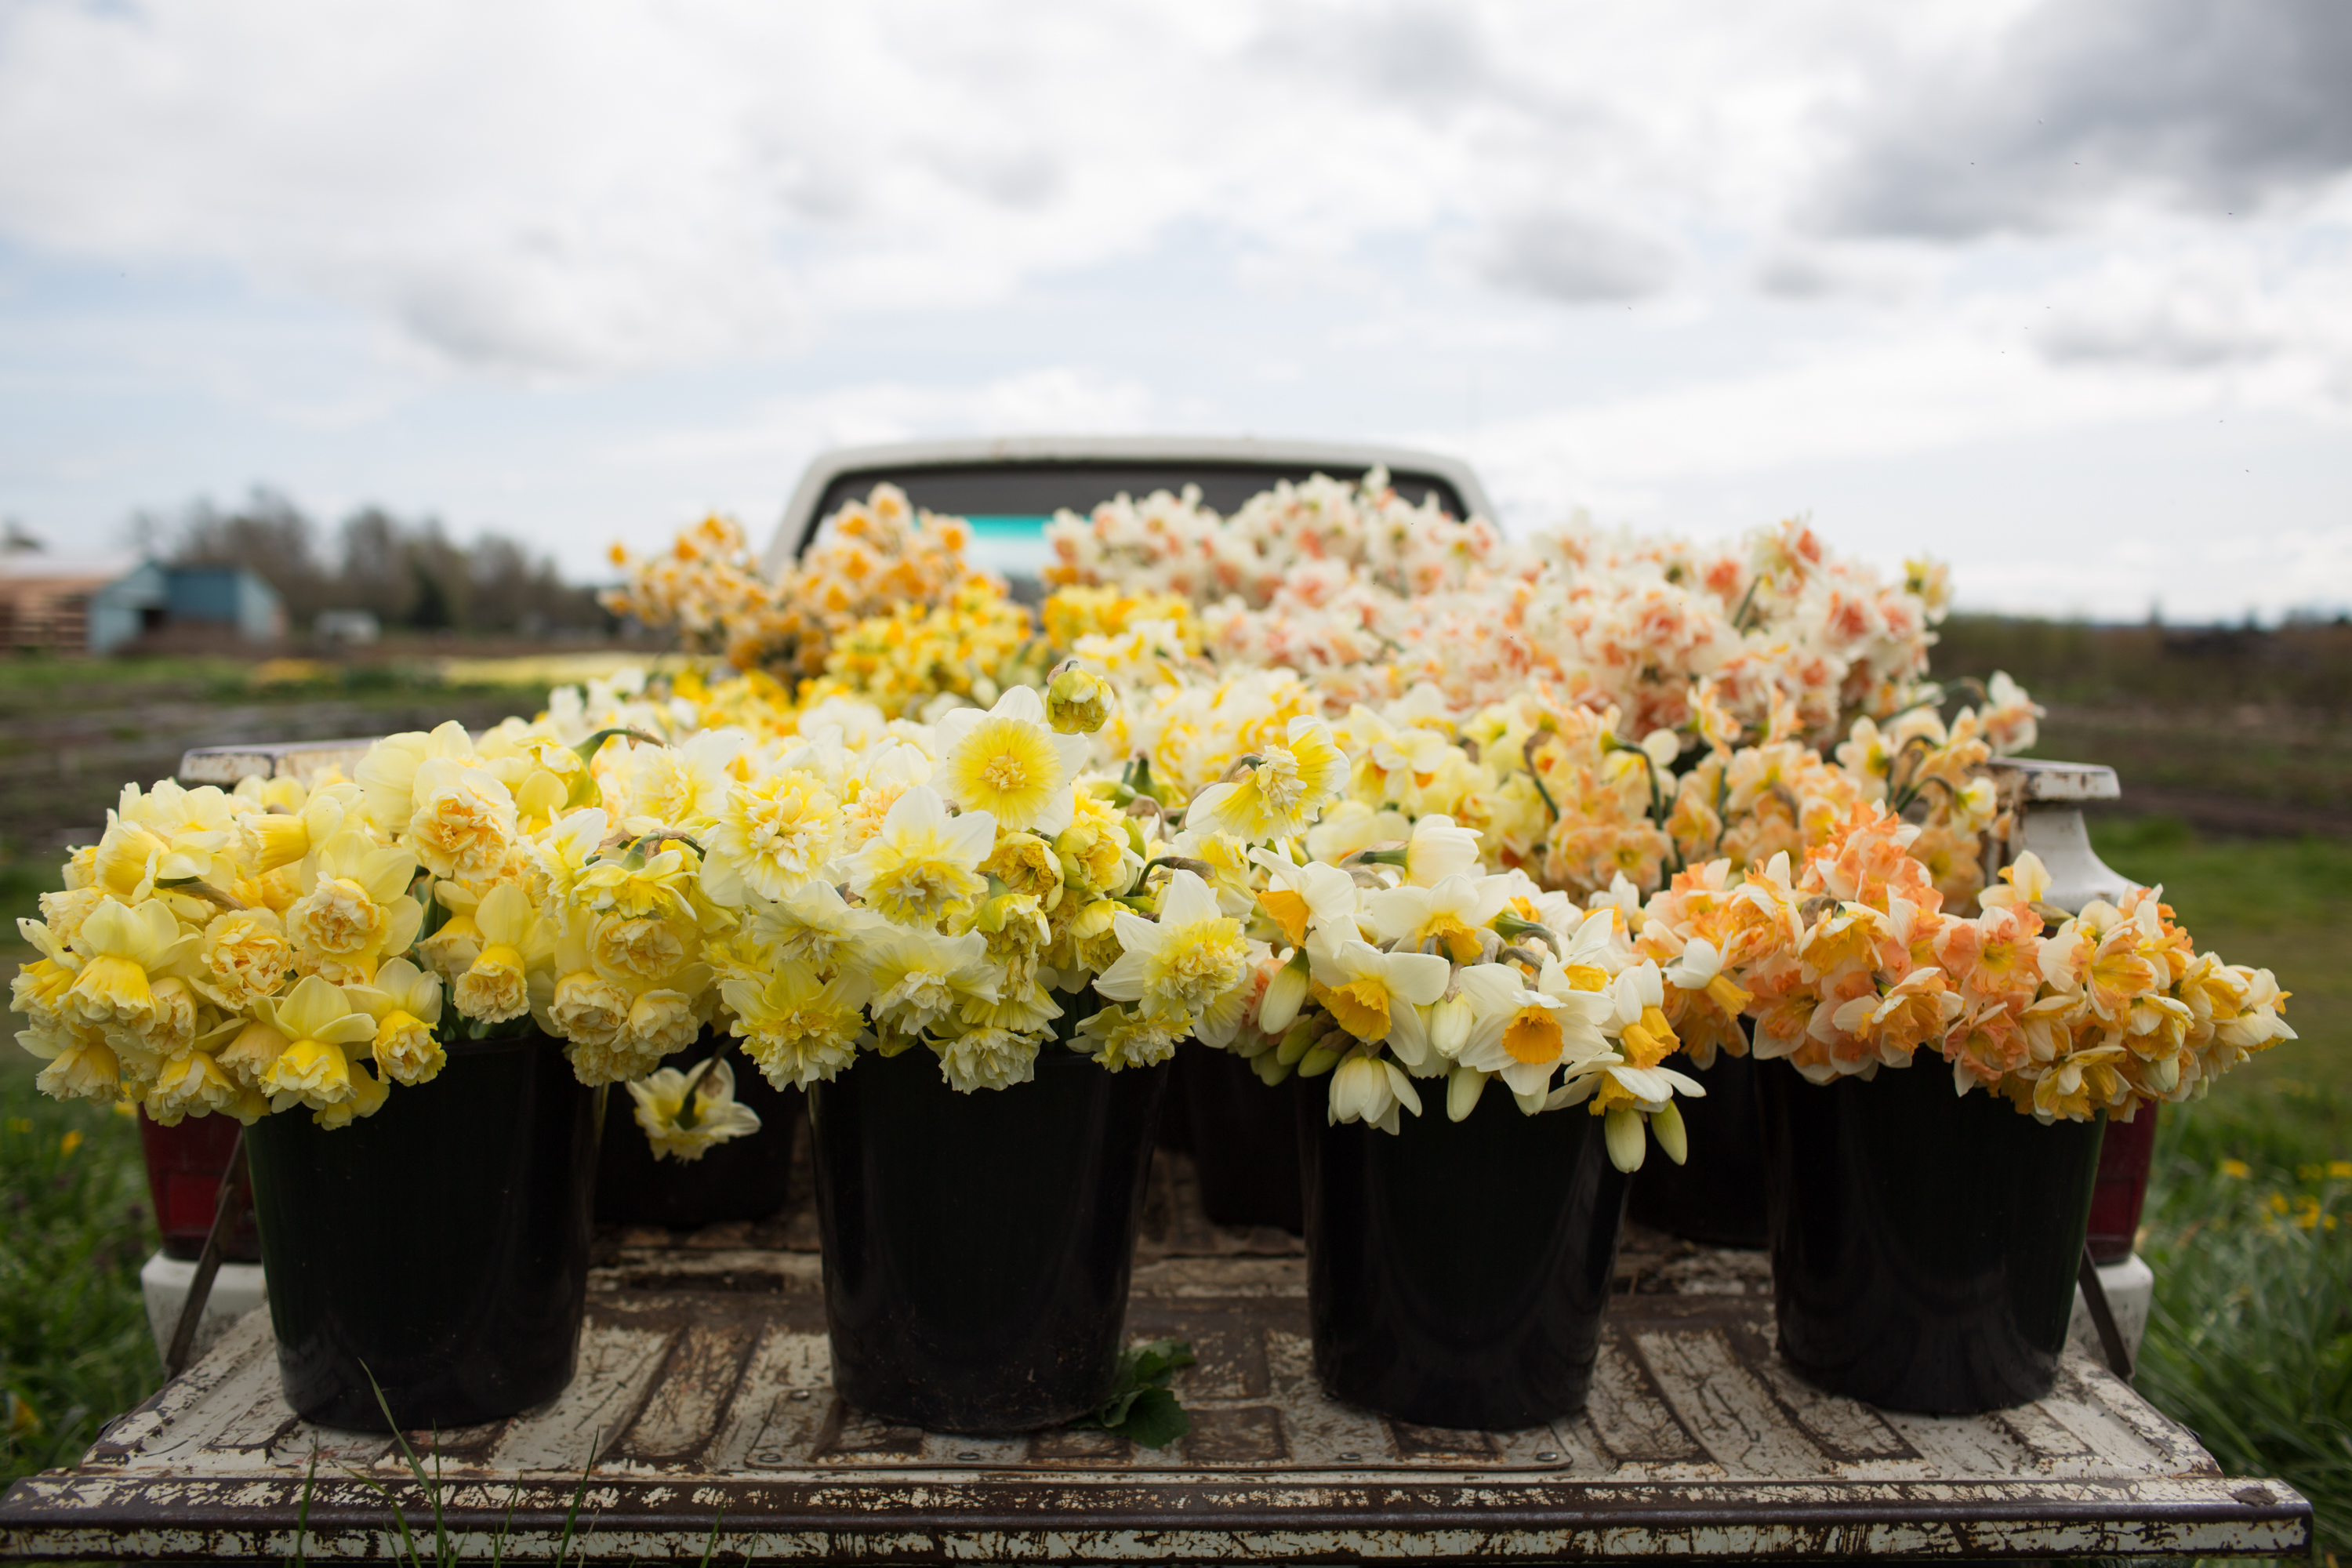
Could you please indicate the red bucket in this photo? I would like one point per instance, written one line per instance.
(185, 1167)
(2122, 1189)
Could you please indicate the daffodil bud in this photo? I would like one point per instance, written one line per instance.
(1077, 700)
(1449, 1024)
(1671, 1136)
(1297, 1039)
(1462, 1093)
(1626, 1142)
(1270, 1069)
(1318, 1062)
(1284, 996)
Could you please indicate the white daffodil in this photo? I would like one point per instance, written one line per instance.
(2025, 881)
(1700, 968)
(1010, 763)
(1452, 913)
(683, 1132)
(1366, 989)
(1371, 1090)
(1436, 849)
(1307, 899)
(1523, 1034)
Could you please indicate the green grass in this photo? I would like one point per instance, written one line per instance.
(2249, 1225)
(74, 1346)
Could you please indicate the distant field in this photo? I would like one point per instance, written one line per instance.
(2230, 730)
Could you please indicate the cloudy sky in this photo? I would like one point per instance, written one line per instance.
(2062, 292)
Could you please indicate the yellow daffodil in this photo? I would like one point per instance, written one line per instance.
(462, 819)
(683, 1132)
(318, 1022)
(775, 832)
(923, 865)
(799, 1028)
(1007, 763)
(124, 948)
(1282, 788)
(1077, 700)
(406, 1003)
(355, 908)
(1178, 965)
(918, 977)
(497, 986)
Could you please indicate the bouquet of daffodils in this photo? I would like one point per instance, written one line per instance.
(1549, 813)
(1369, 597)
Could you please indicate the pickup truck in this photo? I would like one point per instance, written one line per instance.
(702, 1423)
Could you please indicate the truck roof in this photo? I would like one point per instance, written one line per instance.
(1027, 477)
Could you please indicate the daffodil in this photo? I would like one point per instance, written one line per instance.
(318, 1022)
(1120, 1037)
(1371, 1090)
(1437, 848)
(387, 774)
(1077, 700)
(406, 1003)
(189, 1084)
(1177, 965)
(497, 986)
(1302, 900)
(1009, 764)
(123, 949)
(923, 865)
(354, 909)
(812, 924)
(1525, 1034)
(987, 1057)
(798, 1028)
(81, 1067)
(774, 832)
(1449, 916)
(920, 977)
(1281, 790)
(683, 1131)
(242, 955)
(1363, 988)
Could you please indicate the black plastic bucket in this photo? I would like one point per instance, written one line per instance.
(1717, 1195)
(441, 1243)
(1457, 1272)
(1245, 1139)
(744, 1178)
(977, 1245)
(1925, 1245)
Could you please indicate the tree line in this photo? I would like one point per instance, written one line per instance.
(407, 572)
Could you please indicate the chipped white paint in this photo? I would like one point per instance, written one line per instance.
(615, 1366)
(705, 1378)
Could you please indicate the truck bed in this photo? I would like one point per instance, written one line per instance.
(702, 1420)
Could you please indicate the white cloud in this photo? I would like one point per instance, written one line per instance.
(1639, 249)
(1055, 399)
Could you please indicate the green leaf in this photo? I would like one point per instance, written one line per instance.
(1154, 1419)
(1143, 1408)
